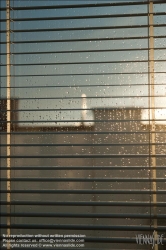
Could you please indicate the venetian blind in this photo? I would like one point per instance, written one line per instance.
(83, 122)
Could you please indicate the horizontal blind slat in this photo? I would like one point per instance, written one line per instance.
(86, 215)
(86, 227)
(28, 179)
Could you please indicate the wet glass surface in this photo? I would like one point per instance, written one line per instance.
(82, 119)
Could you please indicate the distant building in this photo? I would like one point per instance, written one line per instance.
(116, 132)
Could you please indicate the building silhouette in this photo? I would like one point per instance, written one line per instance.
(116, 132)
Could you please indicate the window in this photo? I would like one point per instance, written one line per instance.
(83, 124)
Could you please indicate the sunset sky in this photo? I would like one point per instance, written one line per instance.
(106, 77)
